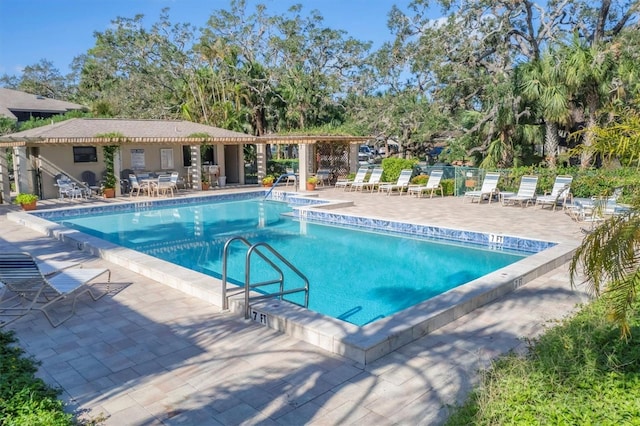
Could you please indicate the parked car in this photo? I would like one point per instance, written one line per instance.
(393, 149)
(365, 155)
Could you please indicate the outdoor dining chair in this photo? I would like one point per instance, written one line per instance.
(164, 185)
(137, 187)
(68, 188)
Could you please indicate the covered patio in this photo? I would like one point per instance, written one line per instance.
(74, 148)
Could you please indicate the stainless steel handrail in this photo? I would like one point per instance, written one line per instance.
(248, 286)
(278, 181)
(282, 292)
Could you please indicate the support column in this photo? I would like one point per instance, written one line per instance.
(221, 160)
(20, 170)
(354, 163)
(196, 167)
(305, 151)
(5, 184)
(117, 167)
(261, 160)
(241, 163)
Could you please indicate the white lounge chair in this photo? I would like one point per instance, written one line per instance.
(559, 194)
(360, 175)
(526, 192)
(372, 183)
(432, 185)
(26, 287)
(489, 188)
(401, 185)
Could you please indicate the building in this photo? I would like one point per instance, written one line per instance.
(74, 146)
(22, 106)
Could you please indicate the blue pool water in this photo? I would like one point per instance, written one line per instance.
(354, 275)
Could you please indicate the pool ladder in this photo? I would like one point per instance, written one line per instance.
(248, 286)
(286, 175)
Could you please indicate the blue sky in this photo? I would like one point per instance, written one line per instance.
(59, 30)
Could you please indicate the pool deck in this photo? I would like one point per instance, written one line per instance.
(147, 354)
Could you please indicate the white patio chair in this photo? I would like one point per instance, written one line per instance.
(137, 187)
(68, 188)
(372, 183)
(164, 185)
(290, 177)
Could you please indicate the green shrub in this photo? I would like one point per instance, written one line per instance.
(25, 399)
(393, 166)
(448, 186)
(603, 182)
(279, 167)
(586, 183)
(420, 180)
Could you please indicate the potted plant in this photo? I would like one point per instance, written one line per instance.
(204, 182)
(110, 181)
(27, 201)
(109, 186)
(311, 183)
(267, 181)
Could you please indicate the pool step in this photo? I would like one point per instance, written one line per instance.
(266, 253)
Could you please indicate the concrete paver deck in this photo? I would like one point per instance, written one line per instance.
(147, 354)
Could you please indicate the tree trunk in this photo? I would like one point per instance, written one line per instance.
(589, 135)
(551, 142)
(507, 148)
(259, 120)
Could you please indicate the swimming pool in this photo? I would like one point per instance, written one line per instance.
(362, 344)
(355, 275)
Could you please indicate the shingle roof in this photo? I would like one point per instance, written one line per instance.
(15, 100)
(79, 131)
(88, 130)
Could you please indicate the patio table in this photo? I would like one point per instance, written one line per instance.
(153, 185)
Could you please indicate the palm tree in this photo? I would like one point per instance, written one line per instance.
(589, 75)
(609, 257)
(610, 260)
(543, 82)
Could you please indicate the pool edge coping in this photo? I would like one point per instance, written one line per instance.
(362, 344)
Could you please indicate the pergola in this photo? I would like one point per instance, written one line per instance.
(122, 132)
